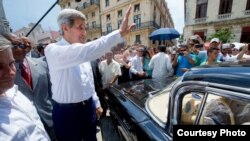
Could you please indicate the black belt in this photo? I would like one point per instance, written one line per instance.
(84, 102)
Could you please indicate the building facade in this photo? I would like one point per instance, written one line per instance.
(205, 17)
(38, 35)
(4, 24)
(105, 16)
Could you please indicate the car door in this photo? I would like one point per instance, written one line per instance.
(209, 104)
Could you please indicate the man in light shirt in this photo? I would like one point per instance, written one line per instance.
(110, 70)
(76, 103)
(19, 120)
(136, 68)
(161, 64)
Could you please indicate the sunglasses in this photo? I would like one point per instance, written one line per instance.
(235, 50)
(214, 48)
(20, 45)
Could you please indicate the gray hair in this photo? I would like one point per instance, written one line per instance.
(4, 43)
(67, 16)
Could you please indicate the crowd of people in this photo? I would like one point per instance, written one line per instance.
(58, 95)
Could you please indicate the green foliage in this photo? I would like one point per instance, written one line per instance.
(224, 34)
(181, 39)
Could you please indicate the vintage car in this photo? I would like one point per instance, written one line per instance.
(208, 95)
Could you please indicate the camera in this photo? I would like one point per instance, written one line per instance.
(198, 45)
(181, 53)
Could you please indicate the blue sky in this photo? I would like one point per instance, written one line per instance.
(21, 12)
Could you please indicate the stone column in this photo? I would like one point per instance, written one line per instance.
(4, 24)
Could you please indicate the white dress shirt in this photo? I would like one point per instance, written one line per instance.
(70, 69)
(136, 65)
(109, 71)
(19, 120)
(161, 65)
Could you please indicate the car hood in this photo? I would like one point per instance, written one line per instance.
(140, 91)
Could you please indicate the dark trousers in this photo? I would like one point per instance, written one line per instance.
(75, 122)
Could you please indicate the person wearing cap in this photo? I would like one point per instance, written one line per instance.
(215, 42)
(226, 50)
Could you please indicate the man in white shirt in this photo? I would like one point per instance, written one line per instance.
(110, 70)
(19, 120)
(76, 103)
(161, 64)
(136, 68)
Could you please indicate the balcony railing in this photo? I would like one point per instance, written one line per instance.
(97, 26)
(150, 24)
(247, 12)
(200, 20)
(224, 16)
(88, 4)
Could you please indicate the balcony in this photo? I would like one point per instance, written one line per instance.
(88, 6)
(95, 27)
(224, 16)
(150, 24)
(200, 20)
(247, 13)
(145, 25)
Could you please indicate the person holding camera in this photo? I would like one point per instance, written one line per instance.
(196, 44)
(183, 61)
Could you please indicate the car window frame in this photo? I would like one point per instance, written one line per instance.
(182, 88)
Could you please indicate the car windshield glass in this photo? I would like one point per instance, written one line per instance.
(158, 104)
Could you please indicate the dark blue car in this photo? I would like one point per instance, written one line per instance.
(208, 95)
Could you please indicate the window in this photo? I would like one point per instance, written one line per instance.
(218, 109)
(109, 28)
(225, 6)
(201, 34)
(119, 13)
(245, 35)
(119, 22)
(137, 8)
(69, 4)
(201, 8)
(248, 5)
(137, 21)
(107, 3)
(138, 39)
(108, 18)
(84, 5)
(78, 0)
(94, 24)
(93, 14)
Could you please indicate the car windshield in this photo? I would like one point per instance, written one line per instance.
(157, 106)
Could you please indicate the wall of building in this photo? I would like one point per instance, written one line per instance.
(234, 21)
(146, 12)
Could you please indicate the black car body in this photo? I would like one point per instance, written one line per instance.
(210, 95)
